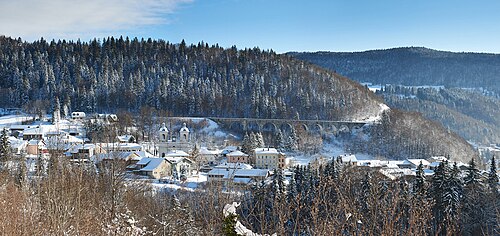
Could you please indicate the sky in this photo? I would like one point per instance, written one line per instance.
(280, 25)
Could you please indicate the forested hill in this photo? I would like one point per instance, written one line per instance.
(184, 80)
(413, 66)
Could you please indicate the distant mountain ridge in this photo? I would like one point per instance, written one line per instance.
(413, 66)
(466, 111)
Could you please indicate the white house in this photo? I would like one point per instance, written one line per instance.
(78, 115)
(269, 158)
(182, 167)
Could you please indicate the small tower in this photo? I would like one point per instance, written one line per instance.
(184, 134)
(163, 134)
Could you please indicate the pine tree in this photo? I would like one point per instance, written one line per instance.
(280, 141)
(292, 142)
(436, 194)
(493, 177)
(419, 184)
(260, 140)
(246, 145)
(474, 204)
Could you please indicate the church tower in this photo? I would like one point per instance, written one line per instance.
(163, 138)
(184, 134)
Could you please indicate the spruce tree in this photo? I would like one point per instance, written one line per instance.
(493, 177)
(419, 184)
(474, 205)
(280, 141)
(436, 194)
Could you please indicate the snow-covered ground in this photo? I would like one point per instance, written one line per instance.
(13, 120)
(191, 184)
(330, 150)
(377, 117)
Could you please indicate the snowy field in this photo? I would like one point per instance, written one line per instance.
(13, 120)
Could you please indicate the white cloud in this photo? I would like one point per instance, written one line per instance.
(32, 19)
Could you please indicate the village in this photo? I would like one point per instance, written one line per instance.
(174, 157)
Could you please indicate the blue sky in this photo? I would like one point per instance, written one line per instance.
(281, 25)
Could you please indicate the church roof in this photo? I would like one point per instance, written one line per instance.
(184, 128)
(163, 128)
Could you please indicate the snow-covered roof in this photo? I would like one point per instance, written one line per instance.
(233, 166)
(16, 143)
(124, 138)
(372, 163)
(205, 151)
(35, 142)
(417, 162)
(125, 156)
(184, 128)
(163, 128)
(348, 158)
(394, 173)
(77, 147)
(237, 154)
(177, 153)
(118, 146)
(239, 173)
(151, 163)
(268, 151)
(174, 160)
(144, 154)
(439, 158)
(33, 131)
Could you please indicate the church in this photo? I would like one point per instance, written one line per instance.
(168, 143)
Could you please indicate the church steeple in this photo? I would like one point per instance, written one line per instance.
(163, 133)
(184, 133)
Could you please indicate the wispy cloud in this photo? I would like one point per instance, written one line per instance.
(32, 19)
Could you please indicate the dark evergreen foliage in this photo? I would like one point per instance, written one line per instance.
(185, 80)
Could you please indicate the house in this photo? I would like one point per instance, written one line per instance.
(237, 157)
(36, 132)
(228, 149)
(104, 118)
(121, 147)
(414, 163)
(238, 175)
(348, 159)
(36, 147)
(17, 146)
(152, 167)
(208, 157)
(78, 115)
(182, 167)
(128, 138)
(269, 158)
(129, 158)
(85, 151)
(232, 166)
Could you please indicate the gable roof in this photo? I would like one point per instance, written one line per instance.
(268, 151)
(417, 162)
(237, 154)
